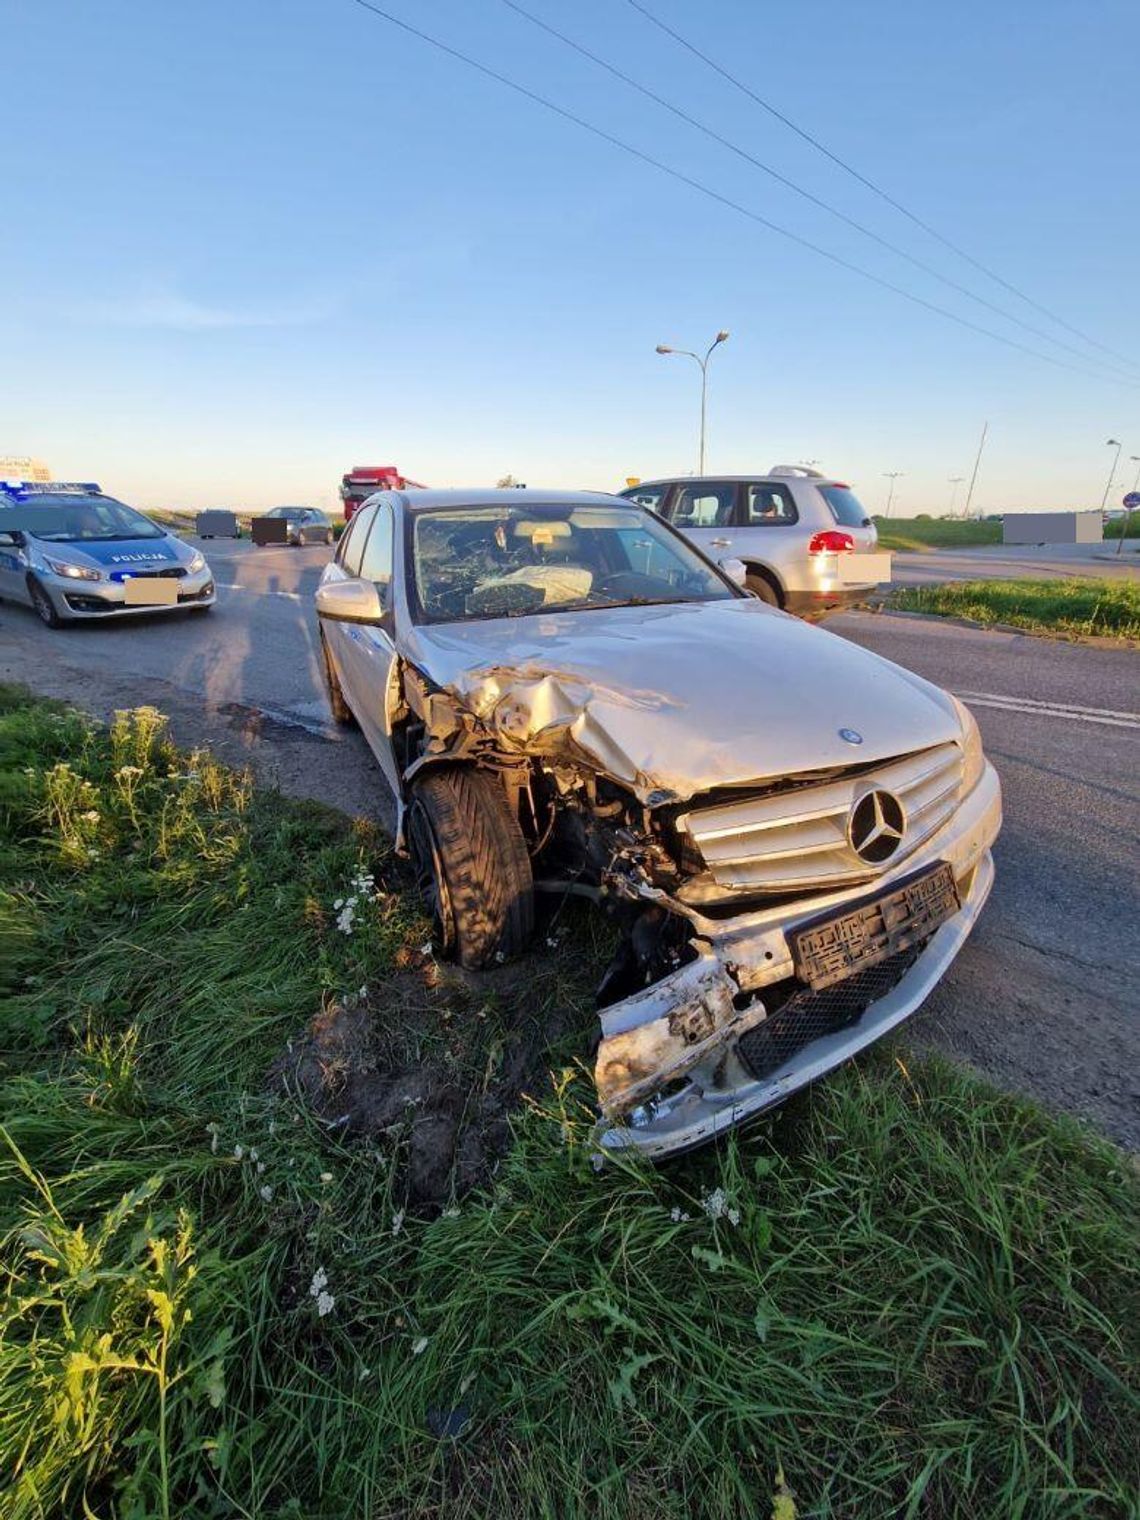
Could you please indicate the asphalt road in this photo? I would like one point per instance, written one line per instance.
(1043, 998)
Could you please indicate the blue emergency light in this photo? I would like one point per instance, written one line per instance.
(23, 490)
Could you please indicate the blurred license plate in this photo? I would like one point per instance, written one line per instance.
(151, 591)
(832, 948)
(864, 569)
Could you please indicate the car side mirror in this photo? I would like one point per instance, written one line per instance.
(13, 540)
(350, 602)
(735, 569)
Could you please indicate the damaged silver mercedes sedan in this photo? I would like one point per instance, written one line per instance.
(565, 696)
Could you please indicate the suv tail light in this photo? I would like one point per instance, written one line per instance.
(830, 542)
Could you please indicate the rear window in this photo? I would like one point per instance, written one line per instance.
(845, 506)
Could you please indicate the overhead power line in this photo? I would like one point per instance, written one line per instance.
(807, 195)
(715, 195)
(766, 105)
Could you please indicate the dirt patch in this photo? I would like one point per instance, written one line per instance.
(437, 1060)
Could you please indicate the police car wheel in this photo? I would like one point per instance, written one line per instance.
(328, 539)
(43, 603)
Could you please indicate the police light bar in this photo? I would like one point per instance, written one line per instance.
(21, 490)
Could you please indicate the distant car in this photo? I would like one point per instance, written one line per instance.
(306, 525)
(807, 543)
(73, 554)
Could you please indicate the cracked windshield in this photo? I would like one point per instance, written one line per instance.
(509, 561)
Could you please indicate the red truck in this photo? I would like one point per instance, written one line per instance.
(363, 479)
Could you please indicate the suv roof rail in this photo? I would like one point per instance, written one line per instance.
(797, 469)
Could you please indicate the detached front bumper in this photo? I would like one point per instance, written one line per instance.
(78, 600)
(676, 1064)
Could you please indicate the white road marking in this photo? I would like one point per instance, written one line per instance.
(292, 596)
(1107, 716)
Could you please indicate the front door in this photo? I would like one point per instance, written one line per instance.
(705, 511)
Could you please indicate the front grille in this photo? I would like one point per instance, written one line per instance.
(808, 1015)
(790, 840)
(177, 571)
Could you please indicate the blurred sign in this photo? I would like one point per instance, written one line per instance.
(22, 467)
(1132, 500)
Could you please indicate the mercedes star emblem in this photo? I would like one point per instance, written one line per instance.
(876, 826)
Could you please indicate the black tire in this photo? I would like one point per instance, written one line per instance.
(328, 539)
(472, 866)
(339, 708)
(43, 604)
(763, 588)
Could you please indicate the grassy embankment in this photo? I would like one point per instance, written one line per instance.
(905, 1296)
(1071, 606)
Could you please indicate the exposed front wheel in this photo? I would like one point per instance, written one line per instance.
(43, 603)
(471, 865)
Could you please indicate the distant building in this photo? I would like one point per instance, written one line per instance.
(22, 467)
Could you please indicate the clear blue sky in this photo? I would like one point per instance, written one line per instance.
(249, 244)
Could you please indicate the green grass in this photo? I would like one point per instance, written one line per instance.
(901, 533)
(924, 1303)
(1072, 606)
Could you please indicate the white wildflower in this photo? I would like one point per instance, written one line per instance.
(397, 1221)
(326, 1178)
(212, 1131)
(677, 1215)
(450, 1214)
(325, 1302)
(91, 816)
(128, 771)
(266, 1192)
(253, 1153)
(239, 1152)
(425, 948)
(420, 1346)
(364, 1373)
(717, 1206)
(597, 1161)
(363, 993)
(260, 1166)
(319, 1283)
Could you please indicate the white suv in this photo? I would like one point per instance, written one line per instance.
(807, 543)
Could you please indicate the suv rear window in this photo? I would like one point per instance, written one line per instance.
(845, 506)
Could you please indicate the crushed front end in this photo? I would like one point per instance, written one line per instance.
(774, 996)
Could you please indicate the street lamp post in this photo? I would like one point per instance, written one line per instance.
(663, 348)
(1111, 443)
(892, 476)
(955, 481)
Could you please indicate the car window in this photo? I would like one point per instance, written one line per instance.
(491, 562)
(647, 496)
(352, 544)
(769, 506)
(703, 506)
(845, 506)
(376, 563)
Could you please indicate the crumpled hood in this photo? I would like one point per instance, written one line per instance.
(681, 698)
(118, 553)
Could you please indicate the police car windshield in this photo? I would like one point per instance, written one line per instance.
(80, 519)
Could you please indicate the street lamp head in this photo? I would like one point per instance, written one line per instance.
(1112, 443)
(663, 348)
(721, 336)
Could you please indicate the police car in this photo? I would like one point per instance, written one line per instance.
(74, 554)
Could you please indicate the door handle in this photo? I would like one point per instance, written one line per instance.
(720, 543)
